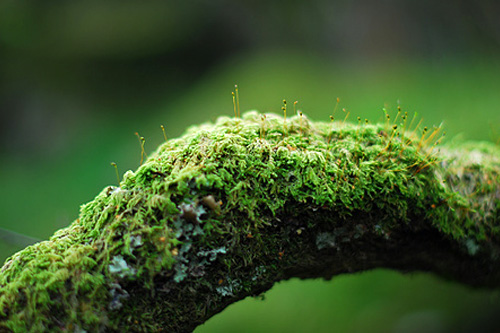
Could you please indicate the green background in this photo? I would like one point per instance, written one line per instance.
(77, 81)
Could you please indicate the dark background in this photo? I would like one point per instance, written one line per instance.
(77, 79)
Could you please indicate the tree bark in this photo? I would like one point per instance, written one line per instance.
(230, 208)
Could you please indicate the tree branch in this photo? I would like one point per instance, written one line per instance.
(228, 209)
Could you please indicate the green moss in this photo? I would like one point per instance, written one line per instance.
(229, 208)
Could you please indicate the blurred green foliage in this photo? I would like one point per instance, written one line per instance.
(377, 301)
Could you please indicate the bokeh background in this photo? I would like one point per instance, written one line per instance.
(78, 79)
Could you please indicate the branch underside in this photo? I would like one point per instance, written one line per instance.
(229, 209)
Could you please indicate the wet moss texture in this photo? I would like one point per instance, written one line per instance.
(230, 208)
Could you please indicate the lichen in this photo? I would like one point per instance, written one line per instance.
(227, 209)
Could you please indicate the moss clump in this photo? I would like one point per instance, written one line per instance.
(230, 208)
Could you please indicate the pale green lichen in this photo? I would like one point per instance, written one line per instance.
(230, 208)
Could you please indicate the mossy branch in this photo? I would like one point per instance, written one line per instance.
(228, 209)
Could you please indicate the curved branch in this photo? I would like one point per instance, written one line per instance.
(228, 209)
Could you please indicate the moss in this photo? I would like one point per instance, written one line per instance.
(229, 208)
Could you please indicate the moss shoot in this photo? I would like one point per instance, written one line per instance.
(230, 208)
